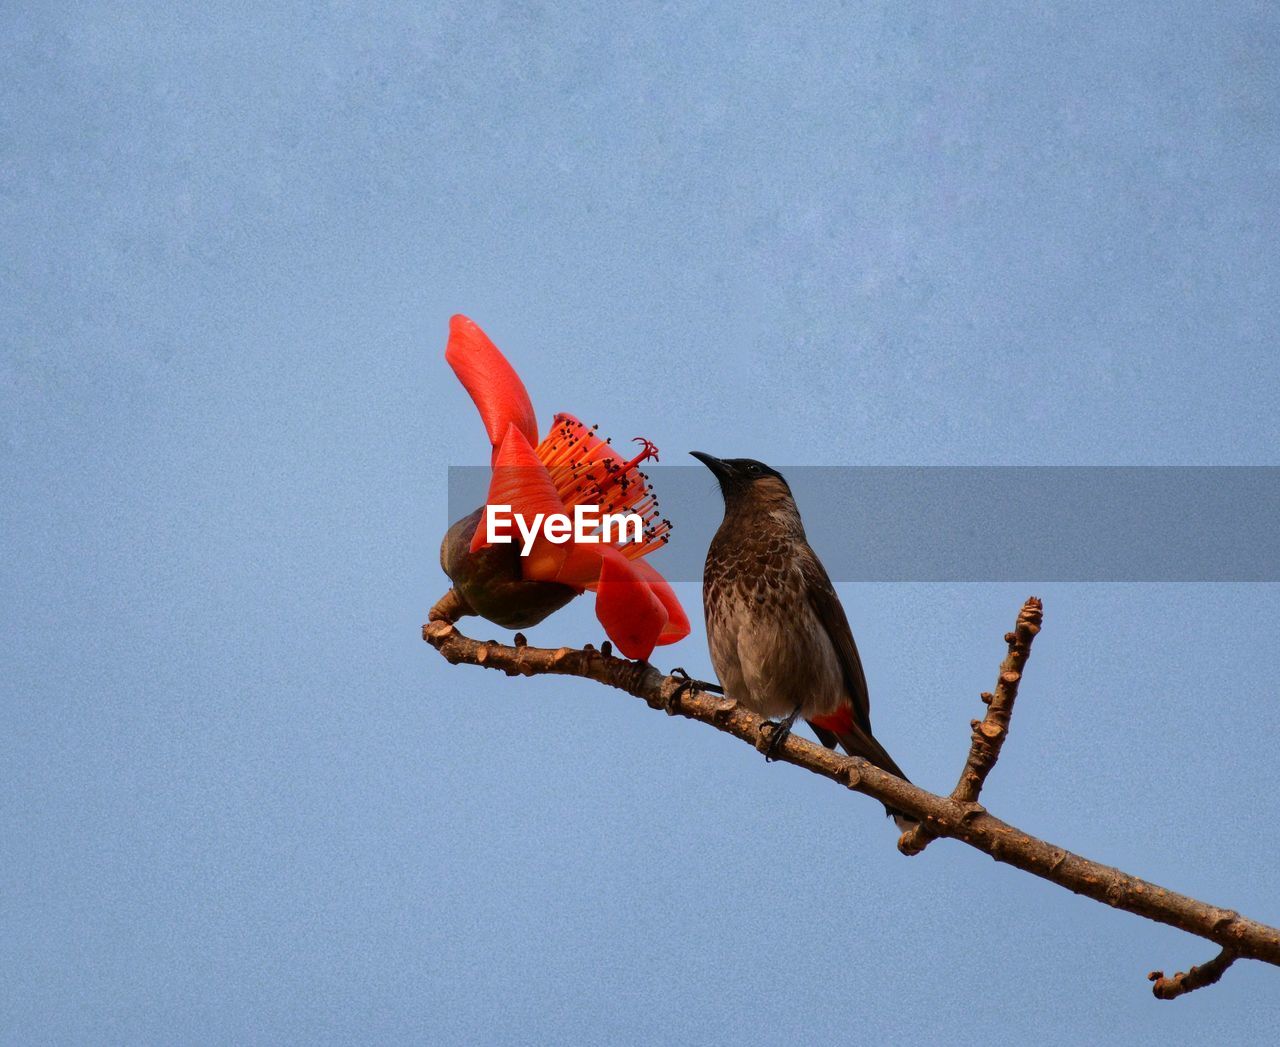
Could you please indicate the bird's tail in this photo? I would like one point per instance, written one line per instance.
(872, 751)
(840, 727)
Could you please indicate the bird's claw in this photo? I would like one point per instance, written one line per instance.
(687, 683)
(776, 736)
(779, 732)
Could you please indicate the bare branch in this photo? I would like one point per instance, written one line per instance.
(988, 733)
(967, 822)
(1189, 981)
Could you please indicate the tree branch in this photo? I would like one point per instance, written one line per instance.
(988, 733)
(1189, 981)
(965, 821)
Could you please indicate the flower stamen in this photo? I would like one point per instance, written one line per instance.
(587, 471)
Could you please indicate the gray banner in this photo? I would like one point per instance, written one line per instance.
(992, 524)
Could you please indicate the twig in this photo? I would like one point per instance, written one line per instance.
(449, 608)
(988, 733)
(967, 822)
(1189, 981)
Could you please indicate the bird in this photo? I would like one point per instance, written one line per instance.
(779, 639)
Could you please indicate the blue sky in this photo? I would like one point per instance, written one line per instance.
(244, 803)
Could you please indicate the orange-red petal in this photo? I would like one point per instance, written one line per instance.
(569, 564)
(677, 625)
(520, 481)
(627, 607)
(495, 387)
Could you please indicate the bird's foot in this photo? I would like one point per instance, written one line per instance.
(697, 685)
(687, 683)
(779, 732)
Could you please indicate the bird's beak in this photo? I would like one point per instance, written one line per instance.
(718, 468)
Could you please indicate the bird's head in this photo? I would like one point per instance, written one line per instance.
(746, 481)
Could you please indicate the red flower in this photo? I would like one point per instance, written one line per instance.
(571, 466)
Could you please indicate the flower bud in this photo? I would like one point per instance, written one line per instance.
(490, 579)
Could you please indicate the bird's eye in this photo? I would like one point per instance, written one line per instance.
(753, 470)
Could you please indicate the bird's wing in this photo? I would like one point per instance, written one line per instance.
(855, 733)
(826, 605)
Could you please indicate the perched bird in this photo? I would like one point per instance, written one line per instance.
(780, 642)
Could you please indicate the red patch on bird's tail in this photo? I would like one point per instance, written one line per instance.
(839, 722)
